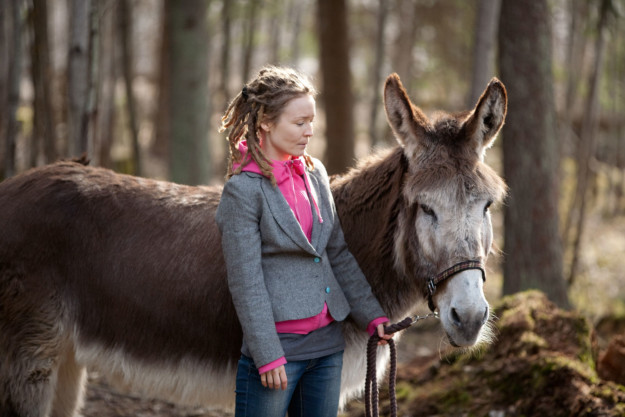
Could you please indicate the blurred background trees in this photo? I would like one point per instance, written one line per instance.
(140, 86)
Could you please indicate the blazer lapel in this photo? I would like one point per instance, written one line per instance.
(320, 231)
(284, 216)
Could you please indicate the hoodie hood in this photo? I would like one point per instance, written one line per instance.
(282, 171)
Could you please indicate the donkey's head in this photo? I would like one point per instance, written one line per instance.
(447, 193)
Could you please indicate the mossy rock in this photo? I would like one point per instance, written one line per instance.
(543, 363)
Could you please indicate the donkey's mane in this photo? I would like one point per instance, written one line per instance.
(374, 175)
(369, 203)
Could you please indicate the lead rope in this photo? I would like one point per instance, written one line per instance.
(371, 384)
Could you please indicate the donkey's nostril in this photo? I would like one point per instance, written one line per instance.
(485, 318)
(455, 317)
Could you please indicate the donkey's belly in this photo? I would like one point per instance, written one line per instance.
(187, 380)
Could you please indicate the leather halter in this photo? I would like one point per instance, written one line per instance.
(433, 282)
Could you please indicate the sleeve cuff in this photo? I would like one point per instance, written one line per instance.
(273, 365)
(371, 328)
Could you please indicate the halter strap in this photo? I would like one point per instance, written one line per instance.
(448, 273)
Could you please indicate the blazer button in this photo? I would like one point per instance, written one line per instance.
(317, 260)
(327, 290)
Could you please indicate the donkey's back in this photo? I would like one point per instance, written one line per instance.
(118, 272)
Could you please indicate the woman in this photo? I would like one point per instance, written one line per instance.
(291, 276)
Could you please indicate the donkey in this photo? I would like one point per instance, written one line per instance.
(126, 275)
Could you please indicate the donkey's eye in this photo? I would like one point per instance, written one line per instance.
(487, 206)
(427, 210)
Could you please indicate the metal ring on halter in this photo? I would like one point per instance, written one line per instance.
(433, 282)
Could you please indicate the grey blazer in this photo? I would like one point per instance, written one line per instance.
(275, 273)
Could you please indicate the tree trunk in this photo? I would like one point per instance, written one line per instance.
(619, 108)
(226, 20)
(188, 91)
(250, 33)
(275, 30)
(105, 123)
(4, 64)
(532, 245)
(44, 123)
(296, 18)
(376, 103)
(486, 25)
(588, 140)
(78, 73)
(162, 123)
(574, 59)
(93, 67)
(13, 88)
(125, 29)
(614, 135)
(336, 91)
(224, 90)
(408, 17)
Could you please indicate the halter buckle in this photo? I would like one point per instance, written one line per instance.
(431, 287)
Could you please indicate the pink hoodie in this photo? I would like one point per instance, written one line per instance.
(292, 180)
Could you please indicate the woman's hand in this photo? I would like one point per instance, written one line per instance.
(274, 378)
(383, 336)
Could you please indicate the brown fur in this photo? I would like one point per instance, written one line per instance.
(91, 259)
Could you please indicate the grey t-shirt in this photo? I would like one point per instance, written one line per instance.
(316, 344)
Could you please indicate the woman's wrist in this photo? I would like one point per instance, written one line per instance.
(272, 365)
(372, 327)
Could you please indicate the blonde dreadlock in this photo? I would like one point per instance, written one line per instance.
(261, 100)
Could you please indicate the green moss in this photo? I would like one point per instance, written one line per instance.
(586, 354)
(562, 363)
(610, 392)
(405, 391)
(454, 399)
(534, 377)
(516, 310)
(532, 343)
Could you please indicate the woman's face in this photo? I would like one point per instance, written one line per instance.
(290, 133)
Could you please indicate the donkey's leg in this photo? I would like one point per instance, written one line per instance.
(30, 340)
(70, 386)
(27, 380)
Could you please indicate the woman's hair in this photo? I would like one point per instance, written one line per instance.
(261, 100)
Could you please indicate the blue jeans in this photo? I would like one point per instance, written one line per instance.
(313, 389)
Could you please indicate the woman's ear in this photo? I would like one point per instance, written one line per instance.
(266, 126)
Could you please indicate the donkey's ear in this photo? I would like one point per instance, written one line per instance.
(488, 116)
(408, 122)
